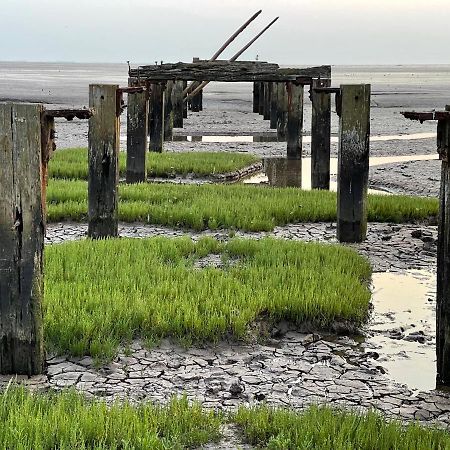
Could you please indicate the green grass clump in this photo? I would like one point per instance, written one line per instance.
(249, 208)
(322, 428)
(68, 421)
(99, 294)
(73, 163)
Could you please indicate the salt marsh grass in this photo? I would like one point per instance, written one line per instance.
(73, 163)
(250, 208)
(67, 421)
(99, 294)
(322, 428)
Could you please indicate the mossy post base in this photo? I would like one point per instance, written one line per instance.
(443, 261)
(177, 104)
(294, 126)
(320, 135)
(137, 117)
(256, 97)
(104, 141)
(353, 162)
(156, 117)
(282, 111)
(22, 227)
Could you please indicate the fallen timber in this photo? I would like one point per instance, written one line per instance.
(228, 71)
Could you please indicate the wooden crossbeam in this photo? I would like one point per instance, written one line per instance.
(229, 71)
(426, 115)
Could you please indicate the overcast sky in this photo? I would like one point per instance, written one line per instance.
(308, 31)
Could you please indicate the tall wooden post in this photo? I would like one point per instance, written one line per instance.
(274, 106)
(255, 97)
(104, 141)
(353, 162)
(443, 260)
(282, 111)
(294, 127)
(168, 112)
(320, 135)
(267, 95)
(185, 104)
(156, 117)
(261, 97)
(22, 227)
(137, 117)
(177, 104)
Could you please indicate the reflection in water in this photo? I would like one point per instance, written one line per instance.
(404, 327)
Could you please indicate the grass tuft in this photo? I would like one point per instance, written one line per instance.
(73, 163)
(68, 421)
(249, 208)
(99, 294)
(331, 429)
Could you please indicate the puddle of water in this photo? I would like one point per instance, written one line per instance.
(272, 137)
(405, 303)
(279, 172)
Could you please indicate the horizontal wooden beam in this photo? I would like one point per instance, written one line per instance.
(69, 114)
(229, 71)
(426, 115)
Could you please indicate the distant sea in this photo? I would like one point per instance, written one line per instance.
(414, 86)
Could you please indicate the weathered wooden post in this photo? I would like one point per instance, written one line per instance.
(156, 117)
(185, 104)
(282, 111)
(267, 96)
(177, 104)
(22, 226)
(294, 127)
(443, 259)
(197, 99)
(137, 117)
(104, 141)
(353, 162)
(168, 111)
(262, 96)
(255, 97)
(320, 135)
(274, 106)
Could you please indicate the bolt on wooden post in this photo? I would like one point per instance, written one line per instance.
(104, 141)
(353, 162)
(443, 259)
(22, 226)
(156, 117)
(294, 126)
(320, 135)
(137, 117)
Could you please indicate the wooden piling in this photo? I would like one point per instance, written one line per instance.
(156, 117)
(282, 111)
(274, 106)
(185, 104)
(294, 127)
(320, 135)
(104, 140)
(256, 97)
(168, 111)
(262, 97)
(137, 117)
(443, 260)
(268, 86)
(177, 104)
(353, 162)
(22, 225)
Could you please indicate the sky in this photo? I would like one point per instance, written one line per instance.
(308, 31)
